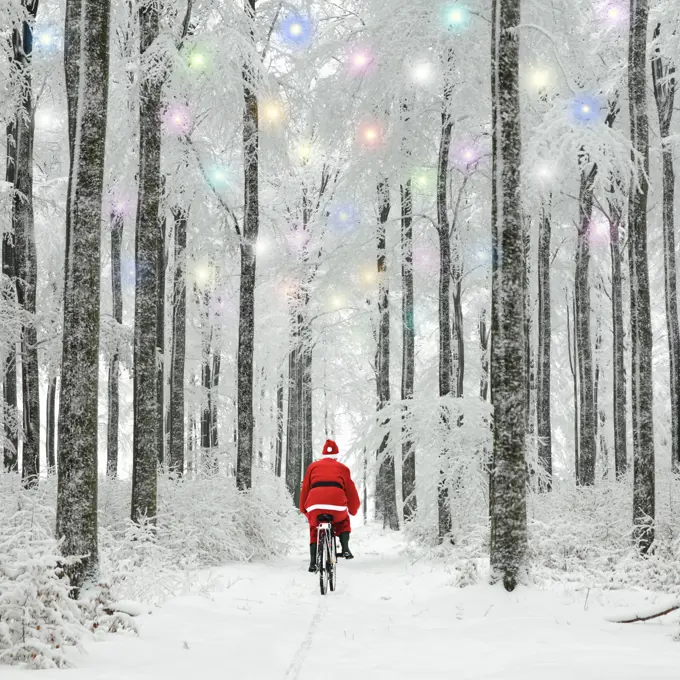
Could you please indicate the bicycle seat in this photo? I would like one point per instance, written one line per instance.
(325, 518)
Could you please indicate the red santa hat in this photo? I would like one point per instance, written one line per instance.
(330, 449)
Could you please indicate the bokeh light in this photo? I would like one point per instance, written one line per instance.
(361, 61)
(121, 203)
(613, 13)
(598, 230)
(585, 109)
(343, 217)
(540, 79)
(424, 180)
(370, 134)
(304, 151)
(177, 120)
(46, 38)
(263, 246)
(456, 17)
(296, 29)
(421, 71)
(543, 171)
(45, 119)
(468, 154)
(337, 302)
(368, 275)
(197, 60)
(271, 113)
(203, 272)
(219, 176)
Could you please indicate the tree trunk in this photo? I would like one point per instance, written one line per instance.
(114, 367)
(178, 350)
(51, 428)
(572, 348)
(306, 394)
(641, 323)
(25, 254)
(584, 353)
(387, 489)
(293, 444)
(251, 224)
(508, 502)
(160, 342)
(145, 434)
(599, 411)
(484, 334)
(619, 368)
(528, 330)
(445, 342)
(543, 421)
(408, 454)
(663, 75)
(11, 448)
(279, 427)
(78, 401)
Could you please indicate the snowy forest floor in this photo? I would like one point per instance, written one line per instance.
(393, 616)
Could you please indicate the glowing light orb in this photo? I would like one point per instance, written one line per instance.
(296, 30)
(45, 39)
(262, 246)
(540, 79)
(613, 13)
(370, 134)
(304, 151)
(45, 119)
(585, 109)
(544, 171)
(422, 72)
(457, 17)
(361, 61)
(468, 154)
(272, 113)
(337, 302)
(368, 276)
(343, 218)
(423, 180)
(197, 61)
(121, 203)
(203, 273)
(218, 176)
(177, 120)
(598, 230)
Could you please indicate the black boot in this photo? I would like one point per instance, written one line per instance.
(312, 557)
(344, 543)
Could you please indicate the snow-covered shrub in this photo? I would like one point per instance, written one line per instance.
(38, 619)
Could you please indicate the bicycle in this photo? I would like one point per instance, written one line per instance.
(326, 554)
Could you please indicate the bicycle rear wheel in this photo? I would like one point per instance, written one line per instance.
(322, 561)
(332, 564)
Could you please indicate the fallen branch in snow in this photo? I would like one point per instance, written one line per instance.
(654, 614)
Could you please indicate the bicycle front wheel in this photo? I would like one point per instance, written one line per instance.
(323, 563)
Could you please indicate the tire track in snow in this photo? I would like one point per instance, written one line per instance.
(293, 672)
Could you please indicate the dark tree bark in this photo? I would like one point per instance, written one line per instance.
(145, 395)
(387, 489)
(445, 340)
(25, 252)
(663, 76)
(160, 342)
(484, 334)
(529, 387)
(293, 432)
(51, 429)
(584, 353)
(117, 223)
(508, 369)
(619, 368)
(279, 427)
(78, 401)
(601, 415)
(641, 322)
(408, 453)
(11, 449)
(178, 347)
(306, 393)
(572, 348)
(251, 225)
(543, 421)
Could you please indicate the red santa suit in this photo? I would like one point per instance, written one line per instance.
(328, 489)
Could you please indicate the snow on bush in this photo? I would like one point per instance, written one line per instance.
(38, 619)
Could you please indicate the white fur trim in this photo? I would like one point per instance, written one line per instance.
(332, 456)
(327, 507)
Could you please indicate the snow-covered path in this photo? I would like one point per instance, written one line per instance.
(389, 619)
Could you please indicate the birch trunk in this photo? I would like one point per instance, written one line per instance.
(114, 366)
(408, 454)
(543, 420)
(160, 342)
(51, 428)
(508, 501)
(279, 427)
(641, 323)
(387, 490)
(571, 346)
(25, 254)
(663, 76)
(178, 348)
(78, 401)
(445, 340)
(11, 448)
(251, 223)
(293, 445)
(145, 395)
(584, 353)
(619, 368)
